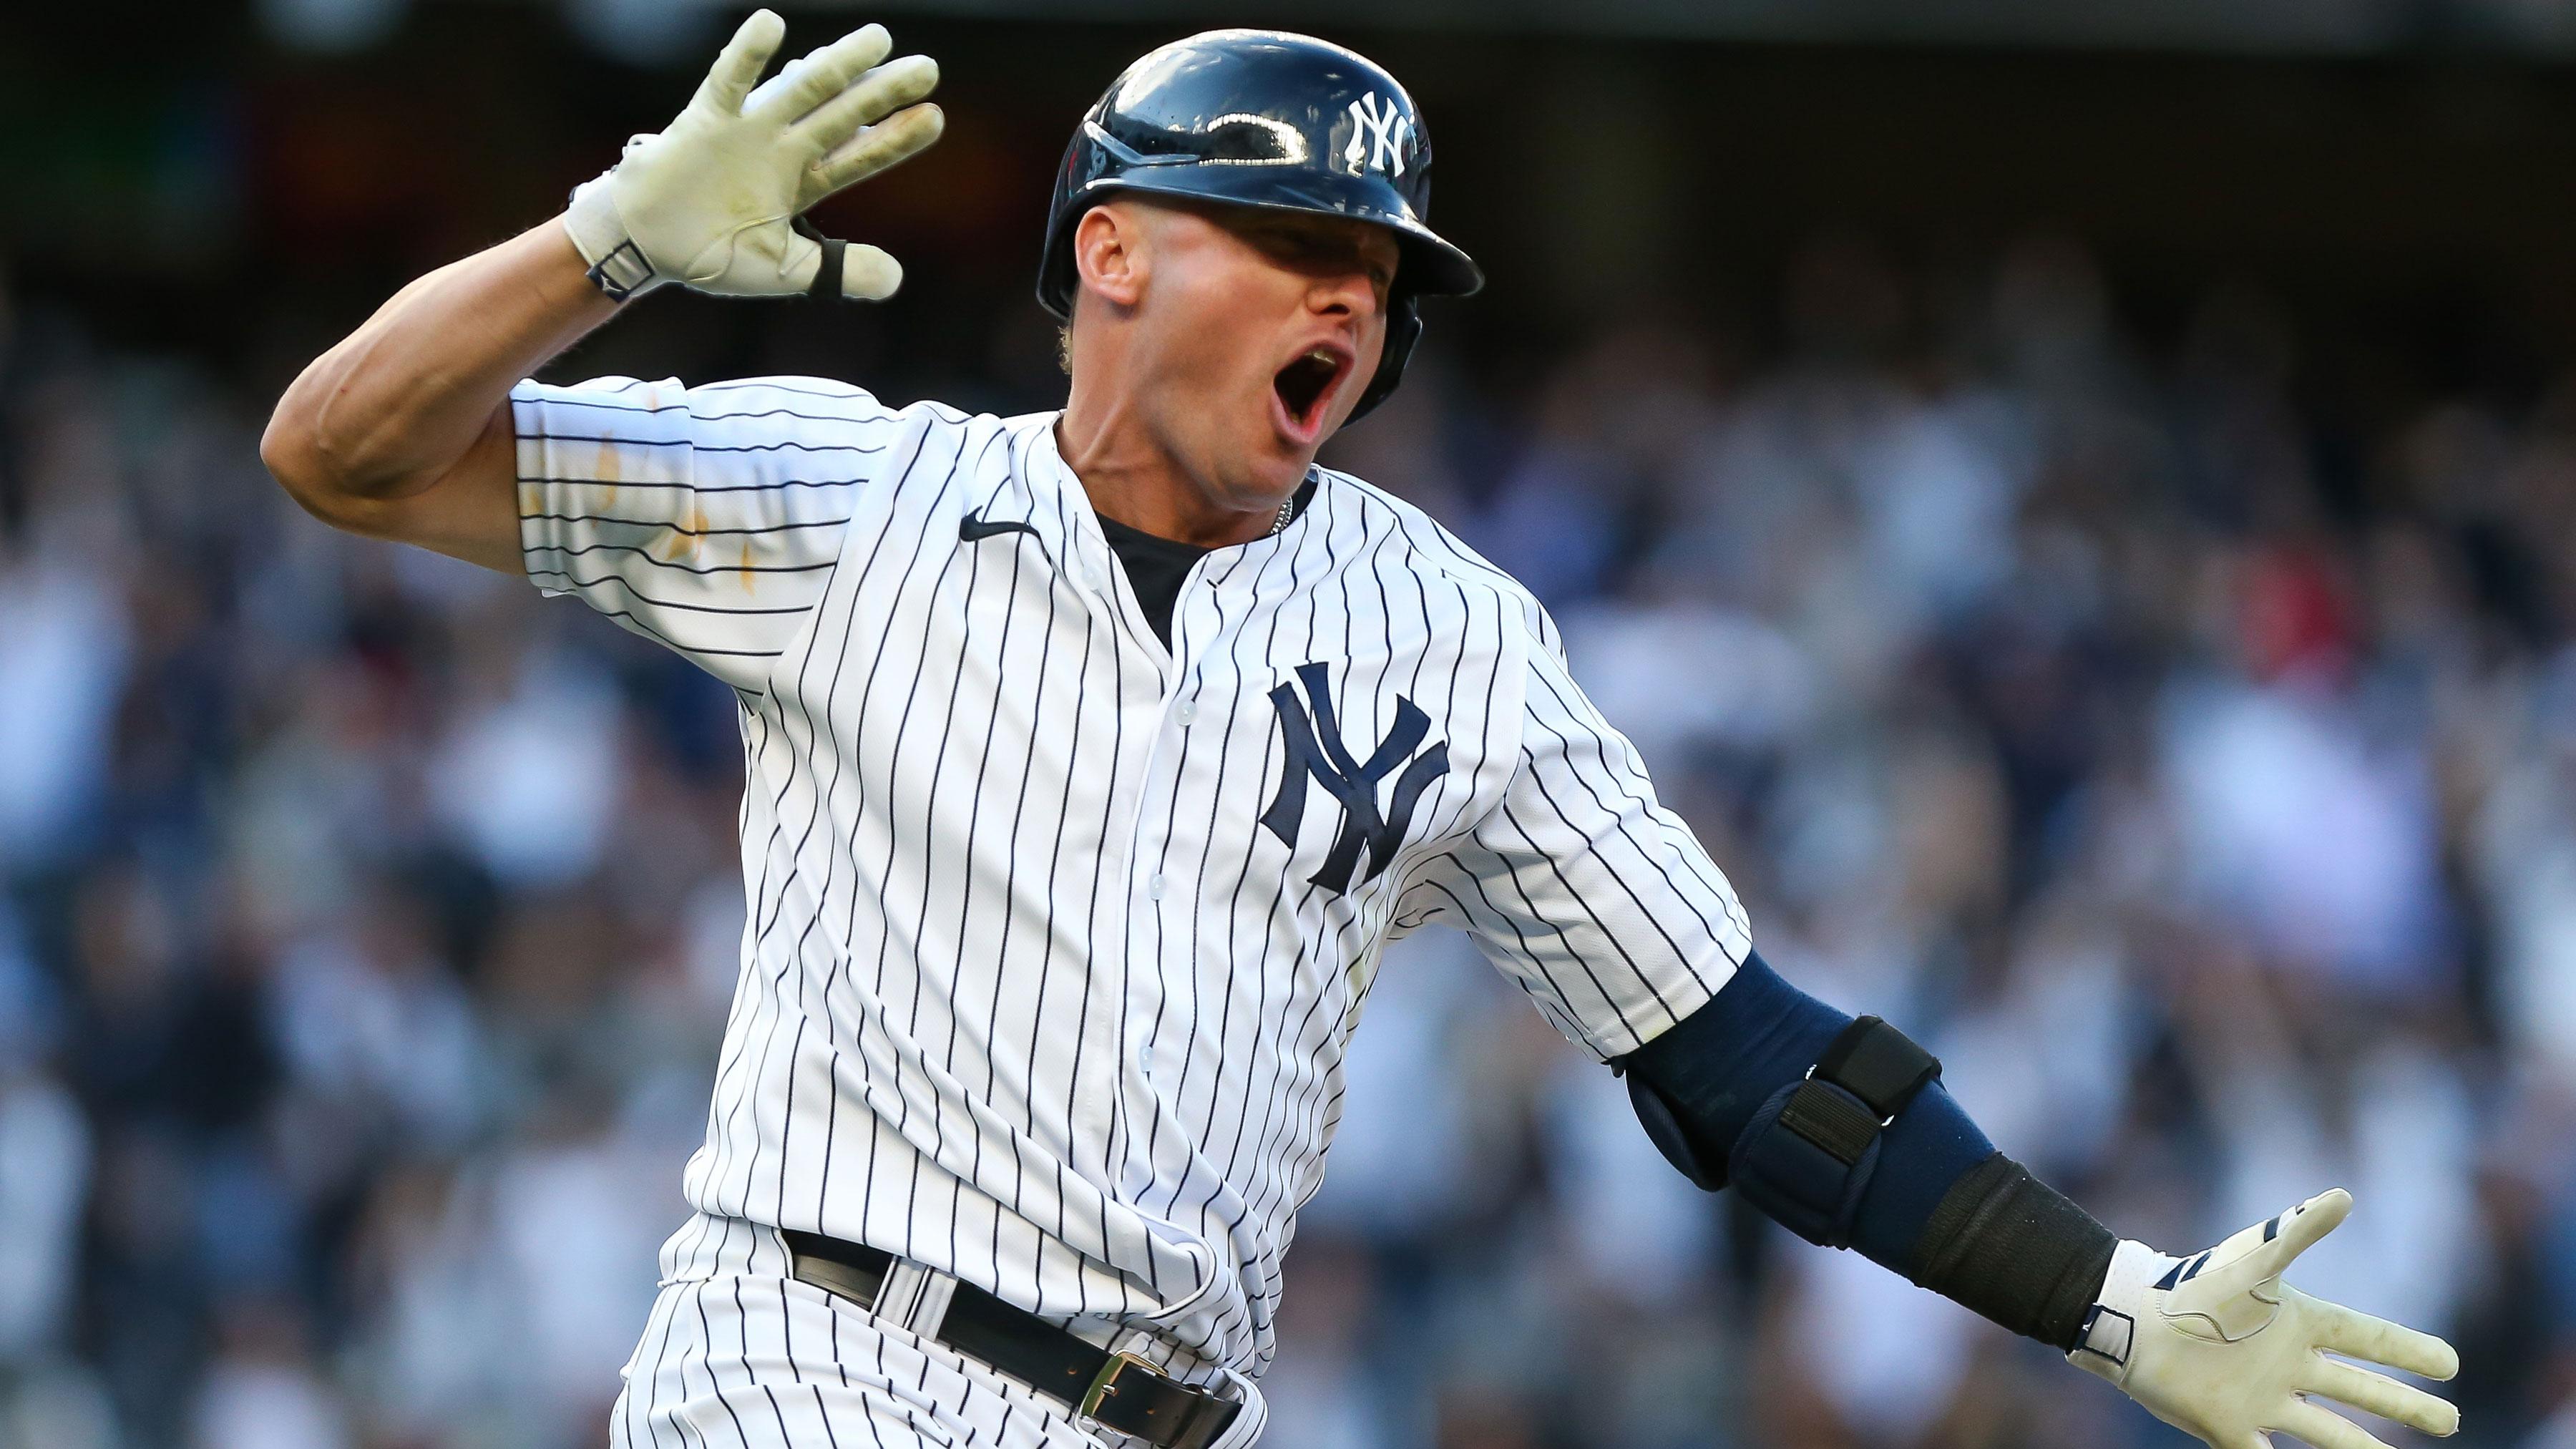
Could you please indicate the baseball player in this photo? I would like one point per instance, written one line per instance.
(1091, 758)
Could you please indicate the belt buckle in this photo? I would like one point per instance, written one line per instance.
(1105, 1382)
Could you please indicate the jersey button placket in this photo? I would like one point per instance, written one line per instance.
(1086, 567)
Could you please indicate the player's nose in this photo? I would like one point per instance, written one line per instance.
(1342, 292)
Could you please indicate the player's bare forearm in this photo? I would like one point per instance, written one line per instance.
(403, 429)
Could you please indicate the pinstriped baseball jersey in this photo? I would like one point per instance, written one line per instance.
(1055, 934)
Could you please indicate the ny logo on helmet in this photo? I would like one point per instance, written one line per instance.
(1380, 132)
(1315, 751)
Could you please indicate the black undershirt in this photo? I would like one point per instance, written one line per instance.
(1156, 567)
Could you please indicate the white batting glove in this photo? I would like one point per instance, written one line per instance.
(2219, 1347)
(710, 201)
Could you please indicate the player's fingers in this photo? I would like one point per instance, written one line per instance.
(2312, 1425)
(870, 98)
(2276, 1244)
(820, 75)
(2376, 1340)
(2379, 1394)
(2302, 1227)
(739, 64)
(868, 274)
(896, 138)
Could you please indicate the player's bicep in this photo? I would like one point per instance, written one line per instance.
(471, 511)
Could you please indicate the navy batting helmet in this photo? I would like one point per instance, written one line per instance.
(1265, 118)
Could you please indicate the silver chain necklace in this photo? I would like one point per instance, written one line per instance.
(1287, 509)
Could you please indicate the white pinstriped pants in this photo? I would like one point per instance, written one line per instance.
(746, 1359)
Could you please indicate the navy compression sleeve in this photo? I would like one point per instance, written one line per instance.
(1943, 1206)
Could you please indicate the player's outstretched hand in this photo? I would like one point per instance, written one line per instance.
(710, 201)
(2219, 1346)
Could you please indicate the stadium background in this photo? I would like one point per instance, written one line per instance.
(2077, 504)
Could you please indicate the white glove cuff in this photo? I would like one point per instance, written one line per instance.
(617, 265)
(2111, 1328)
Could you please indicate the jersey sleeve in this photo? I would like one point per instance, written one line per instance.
(1581, 886)
(706, 518)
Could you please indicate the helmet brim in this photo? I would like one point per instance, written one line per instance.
(1431, 266)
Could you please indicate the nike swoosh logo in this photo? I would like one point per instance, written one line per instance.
(973, 527)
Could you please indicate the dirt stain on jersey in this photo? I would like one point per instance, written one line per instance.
(605, 470)
(681, 540)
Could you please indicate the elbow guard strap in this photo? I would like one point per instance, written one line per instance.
(1807, 1156)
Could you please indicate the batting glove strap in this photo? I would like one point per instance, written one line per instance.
(2110, 1335)
(617, 265)
(2219, 1347)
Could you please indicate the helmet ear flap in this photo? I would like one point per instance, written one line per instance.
(1403, 329)
(1058, 277)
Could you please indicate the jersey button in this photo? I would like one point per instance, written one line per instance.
(1154, 885)
(1188, 711)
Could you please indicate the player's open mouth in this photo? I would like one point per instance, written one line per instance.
(1305, 389)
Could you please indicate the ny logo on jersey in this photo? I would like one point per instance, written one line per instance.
(1380, 132)
(1315, 749)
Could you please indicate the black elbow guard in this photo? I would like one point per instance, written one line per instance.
(1807, 1155)
(1663, 1124)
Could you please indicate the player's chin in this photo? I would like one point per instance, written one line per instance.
(1271, 475)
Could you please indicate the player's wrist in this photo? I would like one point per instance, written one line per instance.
(2119, 1306)
(617, 266)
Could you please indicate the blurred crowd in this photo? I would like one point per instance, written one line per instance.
(2194, 772)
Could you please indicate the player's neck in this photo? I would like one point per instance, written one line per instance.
(1133, 479)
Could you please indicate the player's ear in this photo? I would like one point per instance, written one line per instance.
(1108, 255)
